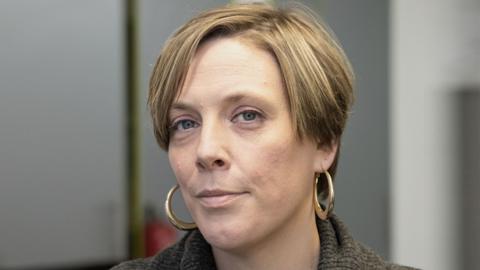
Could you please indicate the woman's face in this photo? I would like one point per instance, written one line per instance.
(242, 170)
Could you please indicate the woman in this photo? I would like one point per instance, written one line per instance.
(250, 102)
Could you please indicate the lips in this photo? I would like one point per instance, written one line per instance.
(218, 198)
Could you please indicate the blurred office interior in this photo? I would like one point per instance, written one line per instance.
(409, 173)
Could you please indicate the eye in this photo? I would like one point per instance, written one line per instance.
(184, 124)
(247, 116)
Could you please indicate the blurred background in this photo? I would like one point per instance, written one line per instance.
(83, 182)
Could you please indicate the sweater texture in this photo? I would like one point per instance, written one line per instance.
(338, 250)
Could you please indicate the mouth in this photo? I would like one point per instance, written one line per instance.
(218, 198)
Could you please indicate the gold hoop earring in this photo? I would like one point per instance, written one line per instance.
(324, 213)
(181, 225)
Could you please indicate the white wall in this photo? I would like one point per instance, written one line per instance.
(430, 47)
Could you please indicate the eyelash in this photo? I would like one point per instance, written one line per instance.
(258, 116)
(175, 126)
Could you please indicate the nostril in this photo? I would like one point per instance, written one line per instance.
(200, 165)
(219, 162)
(209, 165)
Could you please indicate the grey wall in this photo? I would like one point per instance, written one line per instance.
(362, 182)
(61, 133)
(363, 179)
(469, 143)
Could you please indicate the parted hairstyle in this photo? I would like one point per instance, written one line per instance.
(317, 76)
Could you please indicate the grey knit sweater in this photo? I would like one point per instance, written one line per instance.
(337, 248)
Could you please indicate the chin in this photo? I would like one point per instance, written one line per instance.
(225, 235)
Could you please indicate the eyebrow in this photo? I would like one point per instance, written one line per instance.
(230, 99)
(182, 106)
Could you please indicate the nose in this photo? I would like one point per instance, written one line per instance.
(212, 149)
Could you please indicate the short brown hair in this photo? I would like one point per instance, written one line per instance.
(317, 75)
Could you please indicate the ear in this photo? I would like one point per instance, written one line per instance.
(324, 156)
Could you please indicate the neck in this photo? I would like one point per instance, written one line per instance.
(295, 246)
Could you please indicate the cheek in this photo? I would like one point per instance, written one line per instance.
(278, 167)
(179, 164)
(269, 162)
(278, 151)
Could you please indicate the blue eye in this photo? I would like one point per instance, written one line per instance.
(249, 115)
(184, 124)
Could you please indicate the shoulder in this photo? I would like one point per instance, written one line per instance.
(368, 259)
(191, 252)
(167, 259)
(139, 264)
(340, 251)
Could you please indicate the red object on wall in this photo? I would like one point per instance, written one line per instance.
(159, 234)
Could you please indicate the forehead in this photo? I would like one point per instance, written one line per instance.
(228, 63)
